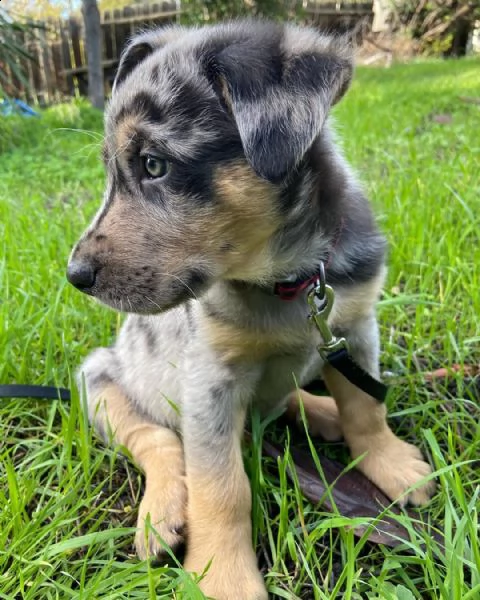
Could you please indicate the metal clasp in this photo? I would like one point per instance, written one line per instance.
(320, 300)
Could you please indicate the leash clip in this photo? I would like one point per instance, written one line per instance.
(320, 300)
(334, 350)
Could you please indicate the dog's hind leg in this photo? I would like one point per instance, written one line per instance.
(156, 449)
(321, 414)
(393, 465)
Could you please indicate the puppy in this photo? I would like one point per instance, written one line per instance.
(223, 180)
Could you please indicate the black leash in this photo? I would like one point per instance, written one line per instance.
(344, 363)
(34, 391)
(340, 360)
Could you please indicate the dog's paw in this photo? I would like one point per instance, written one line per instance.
(228, 577)
(163, 507)
(395, 467)
(321, 414)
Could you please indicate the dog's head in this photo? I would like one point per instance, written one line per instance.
(204, 129)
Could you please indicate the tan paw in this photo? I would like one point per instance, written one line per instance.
(395, 466)
(321, 414)
(232, 575)
(165, 507)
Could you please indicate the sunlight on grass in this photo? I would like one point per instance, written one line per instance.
(68, 505)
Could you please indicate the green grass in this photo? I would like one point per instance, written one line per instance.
(67, 505)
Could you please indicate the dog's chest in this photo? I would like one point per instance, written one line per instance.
(282, 373)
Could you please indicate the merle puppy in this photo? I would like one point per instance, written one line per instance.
(223, 179)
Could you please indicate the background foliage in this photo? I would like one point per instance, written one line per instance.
(10, 48)
(440, 26)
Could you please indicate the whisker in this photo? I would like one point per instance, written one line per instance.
(153, 302)
(181, 281)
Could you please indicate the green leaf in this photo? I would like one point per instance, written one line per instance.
(404, 593)
(88, 539)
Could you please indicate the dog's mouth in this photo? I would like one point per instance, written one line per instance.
(141, 291)
(136, 303)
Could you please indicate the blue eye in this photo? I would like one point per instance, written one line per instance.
(154, 167)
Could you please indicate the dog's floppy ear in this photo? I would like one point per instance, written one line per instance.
(279, 90)
(133, 55)
(140, 47)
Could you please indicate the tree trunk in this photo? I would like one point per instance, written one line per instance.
(461, 34)
(382, 16)
(93, 46)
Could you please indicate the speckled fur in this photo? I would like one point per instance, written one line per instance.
(257, 190)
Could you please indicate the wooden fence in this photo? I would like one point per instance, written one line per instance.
(341, 15)
(59, 68)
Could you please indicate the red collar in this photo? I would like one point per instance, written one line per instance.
(290, 290)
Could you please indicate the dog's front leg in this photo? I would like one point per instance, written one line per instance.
(219, 505)
(156, 449)
(392, 464)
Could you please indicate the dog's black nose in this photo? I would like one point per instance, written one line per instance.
(81, 274)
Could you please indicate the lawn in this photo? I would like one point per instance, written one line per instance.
(67, 505)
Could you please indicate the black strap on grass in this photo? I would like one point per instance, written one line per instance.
(340, 360)
(344, 363)
(34, 391)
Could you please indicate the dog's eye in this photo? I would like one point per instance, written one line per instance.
(154, 167)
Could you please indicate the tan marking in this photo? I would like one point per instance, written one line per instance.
(159, 452)
(220, 530)
(222, 83)
(247, 217)
(321, 414)
(124, 133)
(234, 344)
(389, 462)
